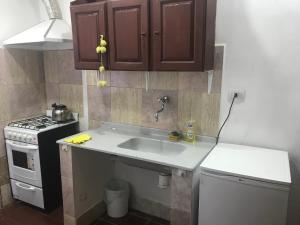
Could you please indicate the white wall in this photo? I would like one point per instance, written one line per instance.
(262, 57)
(16, 16)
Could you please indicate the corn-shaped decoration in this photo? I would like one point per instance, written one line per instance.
(101, 49)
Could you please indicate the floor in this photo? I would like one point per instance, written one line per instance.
(132, 218)
(22, 214)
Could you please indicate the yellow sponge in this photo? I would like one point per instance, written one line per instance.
(79, 139)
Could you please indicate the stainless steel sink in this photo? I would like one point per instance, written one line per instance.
(165, 148)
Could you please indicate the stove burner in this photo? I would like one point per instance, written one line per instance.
(35, 123)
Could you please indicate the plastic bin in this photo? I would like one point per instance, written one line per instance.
(116, 198)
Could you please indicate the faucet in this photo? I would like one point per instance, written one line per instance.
(163, 100)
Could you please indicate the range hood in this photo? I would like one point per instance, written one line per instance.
(52, 34)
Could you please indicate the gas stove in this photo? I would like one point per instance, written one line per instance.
(33, 159)
(27, 130)
(36, 123)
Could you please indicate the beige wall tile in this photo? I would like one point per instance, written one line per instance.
(4, 101)
(185, 102)
(4, 179)
(168, 118)
(66, 161)
(68, 196)
(92, 77)
(202, 108)
(133, 79)
(180, 217)
(3, 67)
(93, 124)
(26, 100)
(181, 191)
(21, 66)
(193, 81)
(209, 114)
(22, 101)
(218, 70)
(2, 142)
(69, 220)
(99, 101)
(6, 195)
(52, 94)
(126, 105)
(71, 95)
(59, 67)
(163, 80)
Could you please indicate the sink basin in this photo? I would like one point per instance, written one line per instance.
(154, 146)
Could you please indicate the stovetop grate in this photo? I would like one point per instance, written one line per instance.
(35, 123)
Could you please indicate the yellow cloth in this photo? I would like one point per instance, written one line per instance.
(79, 139)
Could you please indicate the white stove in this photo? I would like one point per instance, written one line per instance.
(27, 130)
(33, 159)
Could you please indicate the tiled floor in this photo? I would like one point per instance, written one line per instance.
(21, 214)
(132, 218)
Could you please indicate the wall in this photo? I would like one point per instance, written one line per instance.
(16, 16)
(63, 82)
(127, 100)
(22, 94)
(262, 57)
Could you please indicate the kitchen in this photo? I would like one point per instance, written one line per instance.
(252, 57)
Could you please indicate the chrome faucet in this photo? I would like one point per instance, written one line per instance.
(163, 100)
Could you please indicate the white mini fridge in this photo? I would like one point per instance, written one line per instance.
(242, 185)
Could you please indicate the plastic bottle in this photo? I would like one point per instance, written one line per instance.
(190, 133)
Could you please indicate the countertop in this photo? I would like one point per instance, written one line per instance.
(107, 138)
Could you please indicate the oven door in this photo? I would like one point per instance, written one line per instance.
(24, 162)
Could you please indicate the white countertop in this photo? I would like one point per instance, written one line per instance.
(251, 162)
(107, 138)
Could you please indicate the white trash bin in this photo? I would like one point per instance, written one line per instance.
(116, 198)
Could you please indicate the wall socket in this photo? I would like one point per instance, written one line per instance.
(241, 95)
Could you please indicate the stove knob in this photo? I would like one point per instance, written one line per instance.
(29, 138)
(9, 135)
(19, 137)
(24, 136)
(14, 135)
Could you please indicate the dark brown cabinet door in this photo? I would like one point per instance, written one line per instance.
(128, 34)
(88, 23)
(179, 35)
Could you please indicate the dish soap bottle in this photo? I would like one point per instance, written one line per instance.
(190, 133)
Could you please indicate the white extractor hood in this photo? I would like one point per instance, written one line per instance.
(52, 34)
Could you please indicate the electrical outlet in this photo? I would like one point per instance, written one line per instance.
(241, 95)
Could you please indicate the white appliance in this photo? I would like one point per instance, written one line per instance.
(243, 185)
(24, 162)
(33, 159)
(51, 34)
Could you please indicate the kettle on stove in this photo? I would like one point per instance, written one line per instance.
(61, 113)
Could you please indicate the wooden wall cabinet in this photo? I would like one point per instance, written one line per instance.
(180, 34)
(128, 34)
(89, 21)
(160, 35)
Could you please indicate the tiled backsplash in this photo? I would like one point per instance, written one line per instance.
(22, 94)
(63, 82)
(126, 99)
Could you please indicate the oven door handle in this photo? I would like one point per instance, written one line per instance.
(27, 188)
(27, 147)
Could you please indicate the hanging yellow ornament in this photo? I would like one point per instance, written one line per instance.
(103, 42)
(101, 49)
(101, 68)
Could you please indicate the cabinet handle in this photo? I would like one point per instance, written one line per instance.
(143, 34)
(156, 32)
